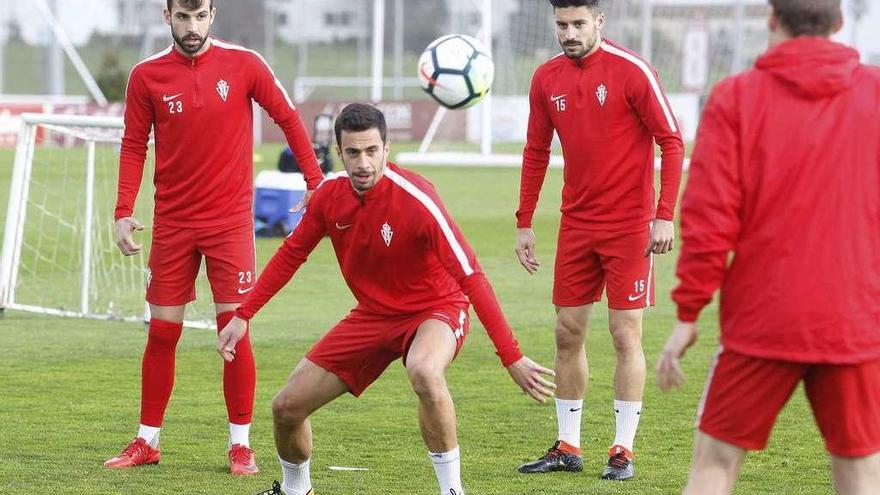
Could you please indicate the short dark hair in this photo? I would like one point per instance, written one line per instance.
(357, 117)
(558, 4)
(189, 4)
(808, 17)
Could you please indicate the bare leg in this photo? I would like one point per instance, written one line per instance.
(856, 475)
(429, 355)
(715, 466)
(308, 389)
(571, 359)
(172, 314)
(629, 375)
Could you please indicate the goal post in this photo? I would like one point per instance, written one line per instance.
(59, 253)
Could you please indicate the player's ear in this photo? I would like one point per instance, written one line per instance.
(772, 21)
(600, 20)
(213, 13)
(838, 25)
(167, 15)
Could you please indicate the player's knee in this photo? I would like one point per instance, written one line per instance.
(164, 336)
(627, 342)
(570, 333)
(714, 457)
(287, 409)
(627, 338)
(427, 380)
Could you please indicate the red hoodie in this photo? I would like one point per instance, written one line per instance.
(786, 176)
(201, 112)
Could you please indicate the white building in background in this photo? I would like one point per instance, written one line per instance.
(316, 21)
(323, 20)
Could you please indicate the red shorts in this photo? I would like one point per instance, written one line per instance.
(362, 345)
(176, 254)
(587, 261)
(744, 395)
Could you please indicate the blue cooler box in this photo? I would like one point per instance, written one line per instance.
(274, 194)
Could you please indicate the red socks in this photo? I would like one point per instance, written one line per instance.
(239, 377)
(157, 370)
(157, 374)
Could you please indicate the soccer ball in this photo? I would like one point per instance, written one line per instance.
(456, 70)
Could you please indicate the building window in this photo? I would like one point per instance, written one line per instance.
(338, 18)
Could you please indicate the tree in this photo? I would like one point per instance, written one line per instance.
(112, 77)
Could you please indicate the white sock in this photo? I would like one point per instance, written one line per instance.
(150, 434)
(447, 466)
(568, 417)
(239, 434)
(297, 479)
(627, 414)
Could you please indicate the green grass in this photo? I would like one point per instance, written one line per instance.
(69, 389)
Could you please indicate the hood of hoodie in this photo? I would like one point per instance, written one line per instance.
(813, 67)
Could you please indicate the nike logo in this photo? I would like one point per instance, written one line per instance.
(166, 99)
(343, 227)
(245, 291)
(556, 98)
(575, 409)
(636, 298)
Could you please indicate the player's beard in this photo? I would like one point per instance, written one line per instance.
(585, 47)
(186, 48)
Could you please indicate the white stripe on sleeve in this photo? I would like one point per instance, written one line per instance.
(438, 216)
(230, 46)
(655, 85)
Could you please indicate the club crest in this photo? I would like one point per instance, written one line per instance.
(387, 234)
(601, 94)
(223, 89)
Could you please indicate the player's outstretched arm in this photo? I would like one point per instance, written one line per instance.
(229, 337)
(528, 375)
(124, 228)
(525, 249)
(669, 373)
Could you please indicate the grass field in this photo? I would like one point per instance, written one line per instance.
(69, 389)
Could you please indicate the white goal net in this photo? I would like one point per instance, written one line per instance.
(59, 253)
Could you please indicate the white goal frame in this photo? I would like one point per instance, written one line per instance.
(16, 215)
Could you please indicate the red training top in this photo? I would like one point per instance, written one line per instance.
(399, 251)
(608, 109)
(200, 109)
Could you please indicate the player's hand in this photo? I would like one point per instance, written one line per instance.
(662, 237)
(124, 228)
(525, 250)
(527, 374)
(228, 338)
(304, 202)
(668, 371)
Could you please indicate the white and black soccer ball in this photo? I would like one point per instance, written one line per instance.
(456, 70)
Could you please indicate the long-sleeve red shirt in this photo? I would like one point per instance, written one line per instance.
(608, 109)
(786, 176)
(201, 113)
(399, 251)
